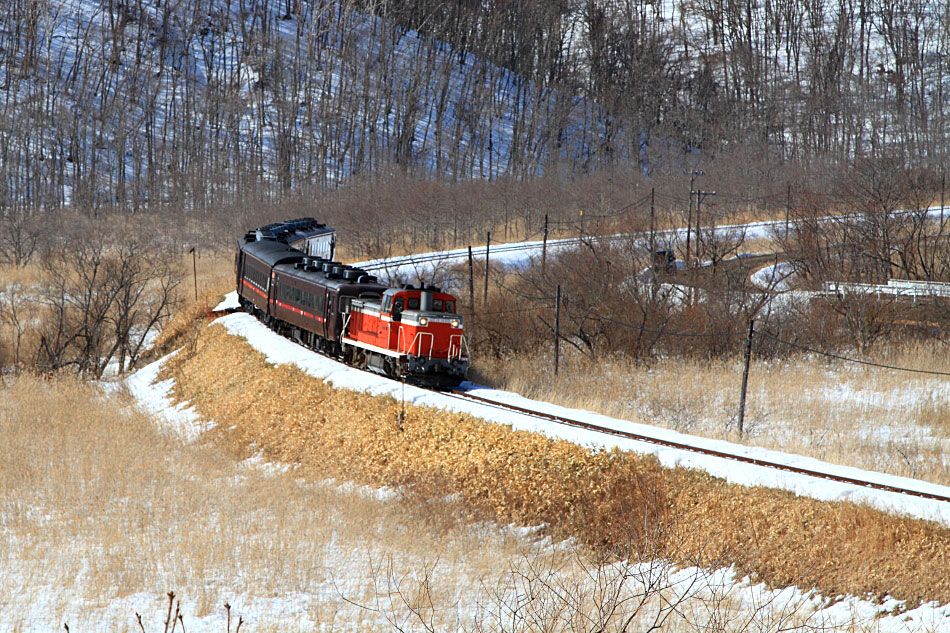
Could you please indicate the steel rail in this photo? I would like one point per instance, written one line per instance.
(667, 443)
(698, 449)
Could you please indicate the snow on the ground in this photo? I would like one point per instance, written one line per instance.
(279, 350)
(230, 302)
(154, 398)
(844, 611)
(778, 277)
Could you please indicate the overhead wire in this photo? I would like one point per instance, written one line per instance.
(633, 326)
(849, 359)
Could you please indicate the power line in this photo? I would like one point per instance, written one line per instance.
(665, 332)
(852, 360)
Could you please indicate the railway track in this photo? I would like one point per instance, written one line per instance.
(672, 444)
(463, 395)
(698, 449)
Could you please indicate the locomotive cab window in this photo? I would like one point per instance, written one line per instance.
(437, 305)
(450, 307)
(413, 303)
(397, 309)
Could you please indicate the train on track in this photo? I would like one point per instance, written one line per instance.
(287, 278)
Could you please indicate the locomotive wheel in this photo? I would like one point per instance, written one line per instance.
(392, 370)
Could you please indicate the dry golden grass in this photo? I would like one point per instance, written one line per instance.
(100, 508)
(893, 422)
(27, 276)
(600, 498)
(102, 513)
(286, 415)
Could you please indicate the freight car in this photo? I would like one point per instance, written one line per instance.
(345, 312)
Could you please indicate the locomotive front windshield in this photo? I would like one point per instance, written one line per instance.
(447, 306)
(395, 304)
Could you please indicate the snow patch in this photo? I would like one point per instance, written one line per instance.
(153, 396)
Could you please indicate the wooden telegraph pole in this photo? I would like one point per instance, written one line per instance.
(194, 269)
(700, 195)
(557, 328)
(487, 247)
(689, 216)
(745, 376)
(544, 246)
(471, 280)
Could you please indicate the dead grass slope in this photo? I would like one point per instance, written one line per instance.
(612, 500)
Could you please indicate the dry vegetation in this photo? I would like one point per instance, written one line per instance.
(892, 422)
(102, 511)
(602, 498)
(100, 508)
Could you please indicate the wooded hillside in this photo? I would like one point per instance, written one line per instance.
(192, 103)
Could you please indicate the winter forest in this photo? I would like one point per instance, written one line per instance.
(131, 104)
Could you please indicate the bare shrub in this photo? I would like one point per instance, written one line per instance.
(20, 237)
(577, 591)
(101, 296)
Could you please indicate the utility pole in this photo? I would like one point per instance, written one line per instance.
(689, 216)
(487, 248)
(933, 251)
(943, 186)
(652, 224)
(745, 376)
(788, 206)
(557, 328)
(700, 196)
(653, 263)
(471, 280)
(194, 268)
(544, 246)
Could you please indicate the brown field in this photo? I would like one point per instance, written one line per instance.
(609, 500)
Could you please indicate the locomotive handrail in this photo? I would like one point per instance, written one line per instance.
(417, 343)
(344, 331)
(455, 349)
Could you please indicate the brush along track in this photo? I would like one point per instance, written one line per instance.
(671, 444)
(698, 449)
(667, 443)
(611, 500)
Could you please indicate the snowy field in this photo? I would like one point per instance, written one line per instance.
(698, 588)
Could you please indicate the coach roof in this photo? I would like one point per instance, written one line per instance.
(272, 253)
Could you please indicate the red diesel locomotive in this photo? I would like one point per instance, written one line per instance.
(343, 311)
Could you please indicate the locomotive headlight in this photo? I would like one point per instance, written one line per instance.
(423, 321)
(455, 323)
